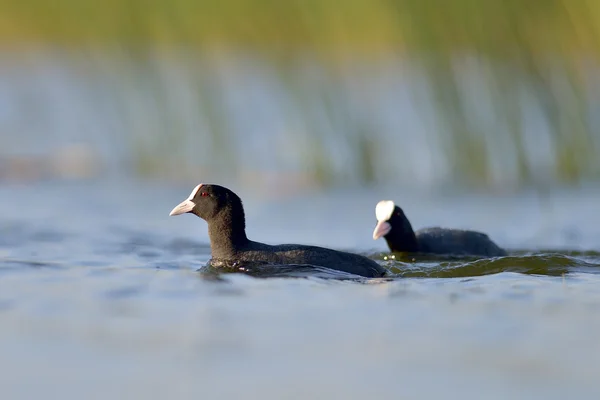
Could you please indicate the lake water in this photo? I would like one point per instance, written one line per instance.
(100, 298)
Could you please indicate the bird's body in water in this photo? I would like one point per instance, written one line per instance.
(223, 210)
(394, 227)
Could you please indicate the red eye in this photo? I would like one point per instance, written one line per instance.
(204, 194)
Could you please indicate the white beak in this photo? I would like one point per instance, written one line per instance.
(382, 229)
(184, 207)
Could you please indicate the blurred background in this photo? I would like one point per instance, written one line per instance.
(289, 95)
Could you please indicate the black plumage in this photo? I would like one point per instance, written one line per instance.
(224, 212)
(397, 231)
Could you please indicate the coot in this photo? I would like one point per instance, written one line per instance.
(223, 211)
(397, 231)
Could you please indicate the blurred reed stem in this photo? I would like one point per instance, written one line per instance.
(537, 52)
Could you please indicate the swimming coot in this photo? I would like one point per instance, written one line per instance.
(223, 211)
(393, 225)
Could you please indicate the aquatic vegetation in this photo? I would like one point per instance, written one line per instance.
(505, 90)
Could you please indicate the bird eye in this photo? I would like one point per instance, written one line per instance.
(204, 194)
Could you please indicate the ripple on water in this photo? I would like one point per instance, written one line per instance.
(129, 325)
(123, 311)
(551, 264)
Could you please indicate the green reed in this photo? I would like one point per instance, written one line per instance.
(536, 52)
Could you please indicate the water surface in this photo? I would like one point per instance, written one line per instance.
(100, 298)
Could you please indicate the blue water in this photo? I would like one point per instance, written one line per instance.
(100, 298)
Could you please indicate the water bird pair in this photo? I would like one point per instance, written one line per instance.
(222, 209)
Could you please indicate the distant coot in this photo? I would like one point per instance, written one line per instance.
(223, 211)
(393, 225)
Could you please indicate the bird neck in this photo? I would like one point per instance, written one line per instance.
(402, 238)
(227, 233)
